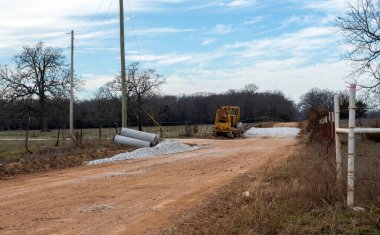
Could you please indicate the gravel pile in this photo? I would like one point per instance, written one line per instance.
(285, 132)
(163, 148)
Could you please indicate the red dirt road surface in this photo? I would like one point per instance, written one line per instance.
(129, 197)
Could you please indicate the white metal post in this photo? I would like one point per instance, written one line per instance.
(338, 144)
(351, 147)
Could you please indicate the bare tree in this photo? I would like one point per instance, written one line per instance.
(250, 88)
(40, 73)
(360, 27)
(142, 84)
(110, 90)
(316, 99)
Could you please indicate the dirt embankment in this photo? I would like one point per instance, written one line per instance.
(130, 197)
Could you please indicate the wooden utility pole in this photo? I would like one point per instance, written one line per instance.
(72, 84)
(123, 75)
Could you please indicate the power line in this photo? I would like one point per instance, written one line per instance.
(101, 24)
(134, 31)
(95, 61)
(33, 36)
(92, 17)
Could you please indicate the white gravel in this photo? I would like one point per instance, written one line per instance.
(163, 148)
(284, 132)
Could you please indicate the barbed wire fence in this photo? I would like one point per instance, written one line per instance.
(367, 157)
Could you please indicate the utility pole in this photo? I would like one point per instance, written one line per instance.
(123, 75)
(72, 84)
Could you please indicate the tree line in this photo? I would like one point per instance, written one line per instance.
(165, 109)
(36, 85)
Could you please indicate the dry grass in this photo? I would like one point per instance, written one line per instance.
(299, 196)
(173, 131)
(14, 160)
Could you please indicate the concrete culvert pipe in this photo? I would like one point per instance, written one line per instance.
(140, 135)
(127, 141)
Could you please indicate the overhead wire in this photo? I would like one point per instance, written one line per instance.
(95, 61)
(82, 47)
(100, 25)
(92, 17)
(78, 30)
(134, 32)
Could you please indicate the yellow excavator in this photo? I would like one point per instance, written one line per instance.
(227, 120)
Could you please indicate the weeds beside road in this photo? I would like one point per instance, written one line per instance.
(14, 160)
(129, 197)
(296, 196)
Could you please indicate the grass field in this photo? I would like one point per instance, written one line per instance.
(14, 158)
(107, 133)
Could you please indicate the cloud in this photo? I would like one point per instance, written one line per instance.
(325, 5)
(285, 77)
(24, 23)
(291, 62)
(238, 3)
(305, 19)
(95, 81)
(253, 20)
(161, 60)
(208, 41)
(156, 31)
(222, 29)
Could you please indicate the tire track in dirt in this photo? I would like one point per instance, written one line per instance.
(130, 197)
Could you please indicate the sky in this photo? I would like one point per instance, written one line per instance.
(198, 46)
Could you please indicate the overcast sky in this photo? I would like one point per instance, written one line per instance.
(199, 46)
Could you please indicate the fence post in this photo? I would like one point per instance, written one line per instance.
(338, 143)
(59, 130)
(81, 135)
(116, 130)
(27, 136)
(161, 135)
(351, 147)
(100, 130)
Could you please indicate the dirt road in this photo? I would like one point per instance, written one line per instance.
(130, 197)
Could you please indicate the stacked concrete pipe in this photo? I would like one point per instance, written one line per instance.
(139, 139)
